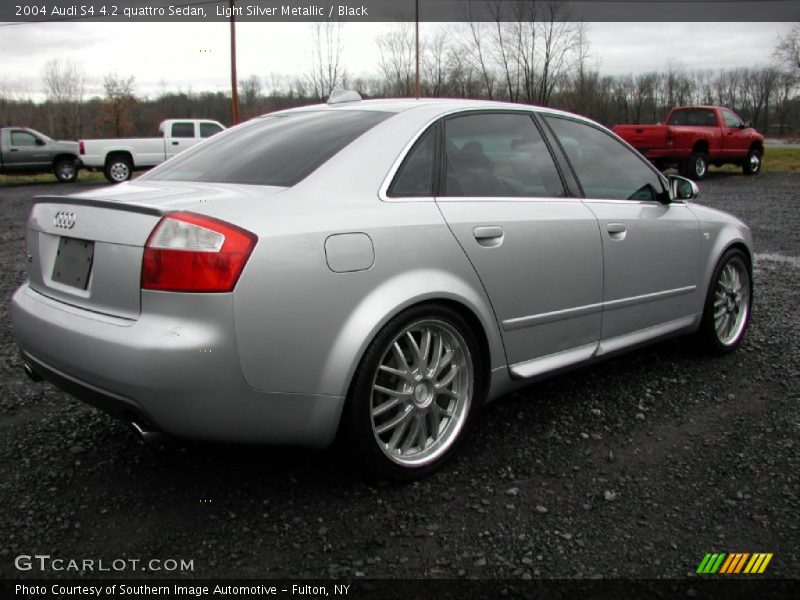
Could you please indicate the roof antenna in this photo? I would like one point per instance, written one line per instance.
(340, 96)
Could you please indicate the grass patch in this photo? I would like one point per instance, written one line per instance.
(782, 159)
(83, 177)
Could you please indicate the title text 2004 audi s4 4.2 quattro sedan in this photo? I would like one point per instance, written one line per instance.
(376, 267)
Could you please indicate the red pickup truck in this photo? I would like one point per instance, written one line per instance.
(692, 137)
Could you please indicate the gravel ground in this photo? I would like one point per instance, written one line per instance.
(634, 468)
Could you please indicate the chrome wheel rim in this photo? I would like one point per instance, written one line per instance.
(755, 162)
(731, 302)
(119, 171)
(700, 167)
(66, 171)
(421, 393)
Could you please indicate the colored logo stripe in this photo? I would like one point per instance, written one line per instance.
(734, 563)
(711, 563)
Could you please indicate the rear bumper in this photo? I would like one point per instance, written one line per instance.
(178, 374)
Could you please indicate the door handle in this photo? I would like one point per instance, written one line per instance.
(13, 149)
(487, 233)
(489, 236)
(175, 143)
(616, 230)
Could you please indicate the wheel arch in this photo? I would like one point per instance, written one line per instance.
(123, 153)
(729, 238)
(701, 146)
(385, 303)
(64, 156)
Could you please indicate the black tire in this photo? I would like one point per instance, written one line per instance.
(372, 448)
(66, 170)
(118, 168)
(708, 336)
(752, 164)
(696, 166)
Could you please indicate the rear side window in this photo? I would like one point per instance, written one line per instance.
(605, 168)
(415, 176)
(183, 130)
(278, 150)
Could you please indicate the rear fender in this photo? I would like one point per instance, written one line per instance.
(389, 299)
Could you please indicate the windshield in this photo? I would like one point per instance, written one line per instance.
(278, 150)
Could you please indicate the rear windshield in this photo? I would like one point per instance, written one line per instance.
(278, 150)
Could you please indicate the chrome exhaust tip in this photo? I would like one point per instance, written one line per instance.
(146, 435)
(32, 375)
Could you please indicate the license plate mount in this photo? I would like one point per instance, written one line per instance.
(73, 262)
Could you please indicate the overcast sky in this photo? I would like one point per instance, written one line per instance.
(195, 55)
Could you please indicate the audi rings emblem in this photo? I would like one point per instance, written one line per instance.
(64, 220)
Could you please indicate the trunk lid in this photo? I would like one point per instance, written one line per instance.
(86, 250)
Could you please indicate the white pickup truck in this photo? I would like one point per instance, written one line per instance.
(119, 158)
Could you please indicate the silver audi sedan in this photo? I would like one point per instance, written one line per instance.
(376, 268)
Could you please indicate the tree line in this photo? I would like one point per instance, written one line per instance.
(538, 58)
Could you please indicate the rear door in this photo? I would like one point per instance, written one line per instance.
(651, 246)
(536, 250)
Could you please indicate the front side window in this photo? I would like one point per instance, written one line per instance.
(605, 168)
(22, 138)
(209, 129)
(731, 120)
(498, 155)
(183, 130)
(275, 150)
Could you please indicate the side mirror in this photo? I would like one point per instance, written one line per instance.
(748, 124)
(681, 188)
(39, 142)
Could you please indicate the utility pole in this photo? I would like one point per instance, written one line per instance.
(234, 84)
(416, 74)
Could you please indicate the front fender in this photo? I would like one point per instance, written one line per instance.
(719, 231)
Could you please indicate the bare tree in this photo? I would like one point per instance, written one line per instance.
(16, 105)
(117, 118)
(327, 72)
(250, 94)
(397, 52)
(476, 45)
(65, 88)
(434, 64)
(787, 49)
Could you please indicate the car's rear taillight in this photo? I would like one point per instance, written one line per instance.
(187, 252)
(81, 147)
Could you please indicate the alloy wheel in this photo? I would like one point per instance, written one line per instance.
(731, 301)
(421, 392)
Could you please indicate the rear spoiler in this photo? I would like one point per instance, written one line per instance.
(144, 209)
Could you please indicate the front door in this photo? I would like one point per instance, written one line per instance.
(26, 151)
(735, 136)
(651, 246)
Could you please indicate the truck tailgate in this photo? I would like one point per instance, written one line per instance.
(643, 137)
